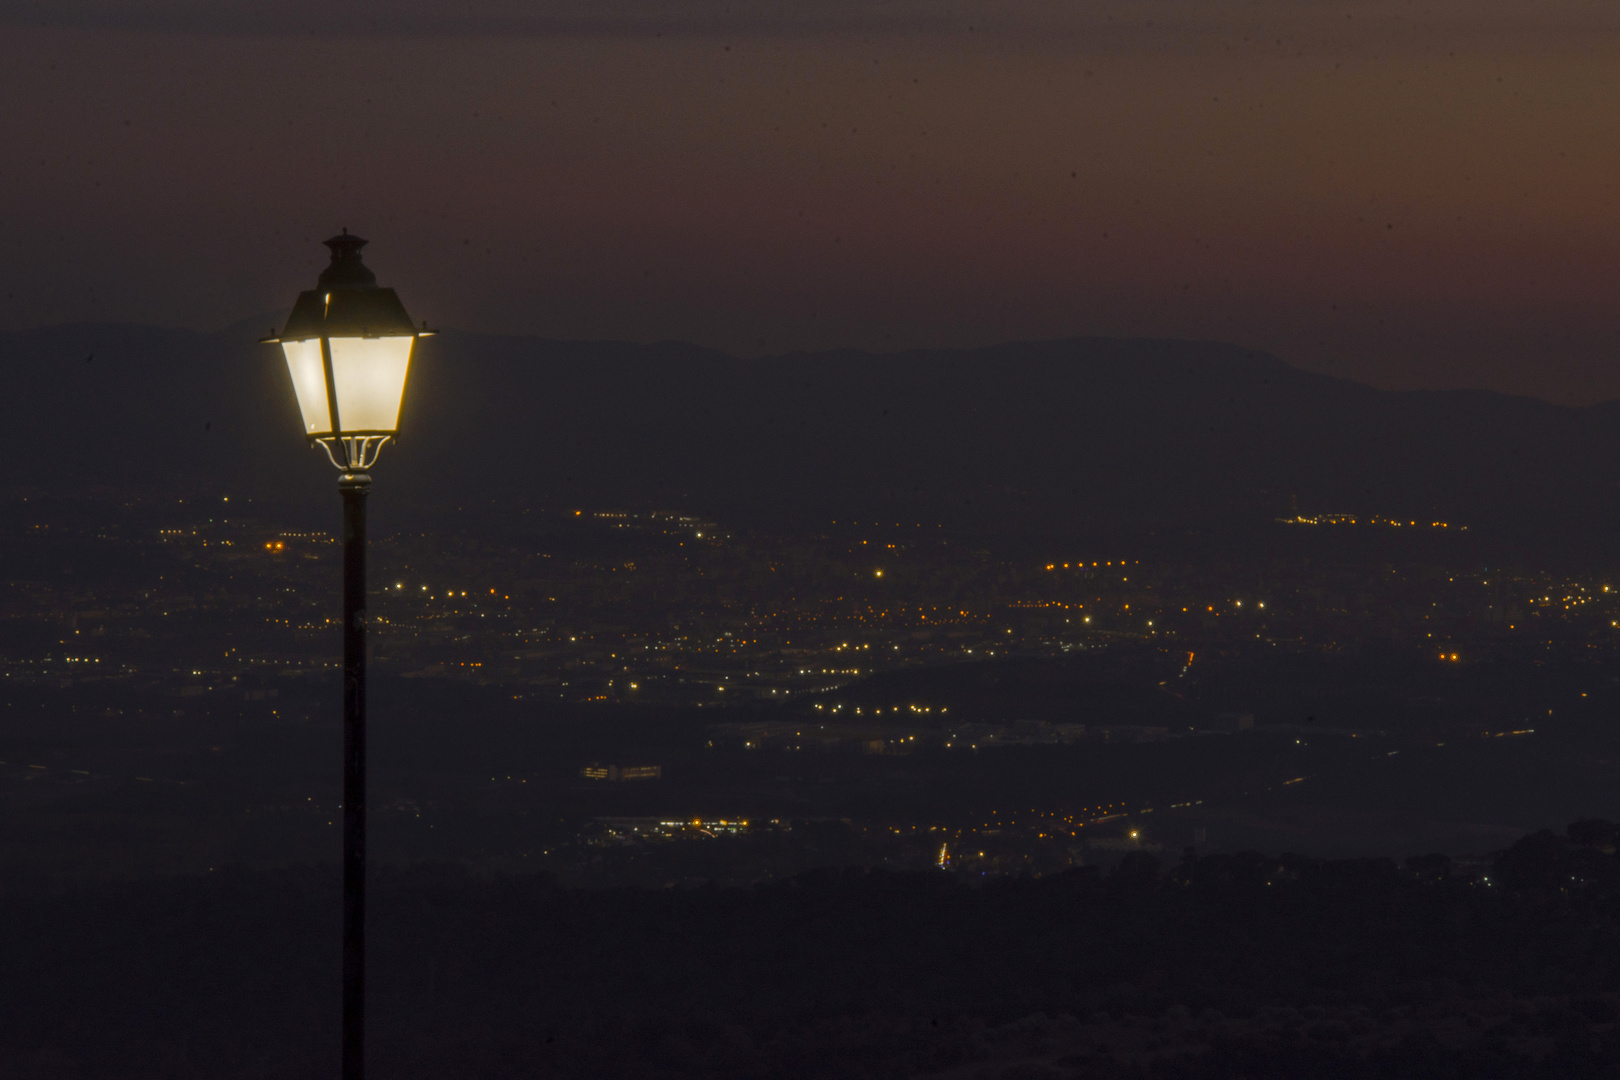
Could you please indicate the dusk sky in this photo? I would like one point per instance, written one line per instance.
(1412, 196)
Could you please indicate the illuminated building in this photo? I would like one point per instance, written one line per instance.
(593, 771)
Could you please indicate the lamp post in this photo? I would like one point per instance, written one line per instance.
(348, 347)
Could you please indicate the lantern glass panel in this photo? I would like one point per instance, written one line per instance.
(368, 375)
(309, 382)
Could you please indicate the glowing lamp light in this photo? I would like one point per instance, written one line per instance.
(348, 346)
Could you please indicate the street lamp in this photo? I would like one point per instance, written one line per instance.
(348, 347)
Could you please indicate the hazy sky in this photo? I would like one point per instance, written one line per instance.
(1404, 194)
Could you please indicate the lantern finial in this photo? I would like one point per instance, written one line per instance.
(346, 270)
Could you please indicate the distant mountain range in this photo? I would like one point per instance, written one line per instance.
(1074, 437)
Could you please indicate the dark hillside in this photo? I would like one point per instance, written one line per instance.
(1237, 965)
(1083, 437)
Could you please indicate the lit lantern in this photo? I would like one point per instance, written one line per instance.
(348, 345)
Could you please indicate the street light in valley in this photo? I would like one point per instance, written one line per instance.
(348, 347)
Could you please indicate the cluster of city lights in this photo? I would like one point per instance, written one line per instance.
(1352, 519)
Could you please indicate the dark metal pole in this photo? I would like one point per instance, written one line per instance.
(354, 487)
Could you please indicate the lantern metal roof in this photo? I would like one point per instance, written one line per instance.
(347, 301)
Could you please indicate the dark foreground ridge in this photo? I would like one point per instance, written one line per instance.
(1226, 966)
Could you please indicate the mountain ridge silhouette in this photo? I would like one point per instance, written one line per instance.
(1074, 436)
